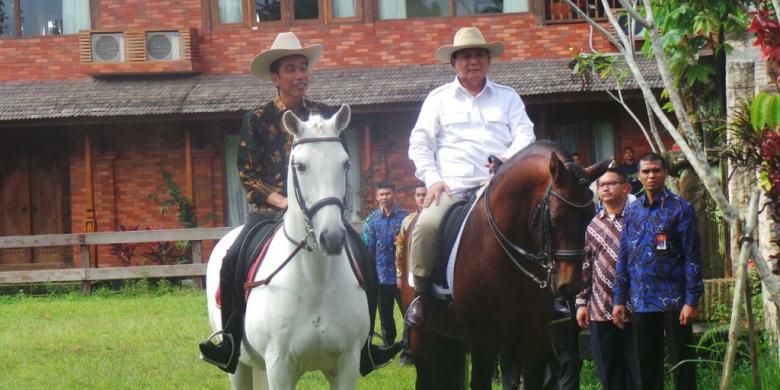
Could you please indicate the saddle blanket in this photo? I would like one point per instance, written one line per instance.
(439, 289)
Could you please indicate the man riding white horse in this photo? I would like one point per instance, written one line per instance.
(263, 156)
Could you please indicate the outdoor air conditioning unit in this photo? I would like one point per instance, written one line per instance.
(163, 46)
(630, 27)
(107, 47)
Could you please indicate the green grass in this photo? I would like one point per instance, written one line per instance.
(146, 338)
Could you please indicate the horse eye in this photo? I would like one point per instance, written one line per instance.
(346, 165)
(300, 167)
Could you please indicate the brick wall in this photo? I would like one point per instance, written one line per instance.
(127, 162)
(229, 49)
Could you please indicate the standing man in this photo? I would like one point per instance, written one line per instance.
(630, 169)
(659, 273)
(460, 125)
(263, 156)
(612, 347)
(384, 225)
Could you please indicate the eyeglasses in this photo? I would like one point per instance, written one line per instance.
(610, 184)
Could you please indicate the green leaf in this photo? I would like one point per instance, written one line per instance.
(700, 73)
(765, 111)
(668, 107)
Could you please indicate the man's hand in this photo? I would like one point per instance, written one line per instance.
(619, 316)
(398, 283)
(687, 314)
(434, 193)
(583, 319)
(277, 200)
(493, 163)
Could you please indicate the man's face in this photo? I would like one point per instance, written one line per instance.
(628, 156)
(293, 76)
(652, 175)
(385, 197)
(576, 158)
(471, 65)
(612, 189)
(419, 196)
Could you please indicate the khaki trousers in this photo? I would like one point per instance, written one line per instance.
(425, 245)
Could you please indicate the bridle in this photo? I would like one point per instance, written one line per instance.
(310, 211)
(545, 258)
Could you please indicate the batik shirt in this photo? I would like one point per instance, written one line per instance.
(381, 235)
(655, 280)
(602, 244)
(264, 150)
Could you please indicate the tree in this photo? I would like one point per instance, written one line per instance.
(676, 32)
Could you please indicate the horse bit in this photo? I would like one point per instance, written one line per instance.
(546, 256)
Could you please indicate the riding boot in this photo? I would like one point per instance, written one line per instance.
(415, 313)
(371, 356)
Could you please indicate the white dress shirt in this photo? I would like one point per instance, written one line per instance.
(456, 132)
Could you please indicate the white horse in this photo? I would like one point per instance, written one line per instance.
(312, 315)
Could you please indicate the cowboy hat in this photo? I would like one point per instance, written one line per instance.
(467, 38)
(285, 44)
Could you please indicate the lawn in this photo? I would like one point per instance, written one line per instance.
(144, 338)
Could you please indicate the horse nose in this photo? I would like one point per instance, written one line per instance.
(332, 240)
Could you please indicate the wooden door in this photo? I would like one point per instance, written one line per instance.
(15, 206)
(46, 203)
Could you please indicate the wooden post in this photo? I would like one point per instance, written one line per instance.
(197, 258)
(84, 252)
(188, 165)
(90, 223)
(752, 335)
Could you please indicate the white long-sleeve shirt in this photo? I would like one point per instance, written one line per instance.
(456, 132)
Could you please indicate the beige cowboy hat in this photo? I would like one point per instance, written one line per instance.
(285, 44)
(467, 38)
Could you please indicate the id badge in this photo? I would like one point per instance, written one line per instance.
(660, 241)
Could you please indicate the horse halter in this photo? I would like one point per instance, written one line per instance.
(309, 212)
(546, 256)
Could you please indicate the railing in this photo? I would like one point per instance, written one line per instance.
(559, 11)
(88, 274)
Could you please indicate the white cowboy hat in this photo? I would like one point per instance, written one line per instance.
(285, 44)
(466, 38)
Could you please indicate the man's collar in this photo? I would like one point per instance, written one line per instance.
(661, 197)
(456, 85)
(603, 213)
(393, 209)
(281, 107)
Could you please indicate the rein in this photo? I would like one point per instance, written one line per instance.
(545, 258)
(308, 213)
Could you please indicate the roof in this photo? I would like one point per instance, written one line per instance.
(135, 96)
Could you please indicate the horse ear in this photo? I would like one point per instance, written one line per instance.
(342, 117)
(595, 171)
(557, 169)
(291, 123)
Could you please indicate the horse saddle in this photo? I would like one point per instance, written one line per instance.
(448, 235)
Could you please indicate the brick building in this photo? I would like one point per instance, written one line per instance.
(96, 97)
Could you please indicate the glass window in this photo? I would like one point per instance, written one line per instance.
(343, 8)
(41, 17)
(268, 10)
(602, 140)
(230, 11)
(306, 9)
(7, 18)
(426, 8)
(475, 7)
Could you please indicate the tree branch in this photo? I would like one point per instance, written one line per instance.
(630, 112)
(593, 23)
(654, 129)
(639, 18)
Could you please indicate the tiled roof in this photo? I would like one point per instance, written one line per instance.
(234, 93)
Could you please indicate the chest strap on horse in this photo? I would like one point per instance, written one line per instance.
(263, 282)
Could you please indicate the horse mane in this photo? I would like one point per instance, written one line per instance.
(543, 148)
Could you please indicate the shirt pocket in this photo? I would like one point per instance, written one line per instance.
(455, 119)
(495, 116)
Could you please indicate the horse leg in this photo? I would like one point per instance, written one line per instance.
(534, 366)
(482, 368)
(242, 378)
(345, 375)
(511, 373)
(281, 373)
(450, 364)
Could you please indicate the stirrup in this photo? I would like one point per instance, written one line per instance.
(225, 337)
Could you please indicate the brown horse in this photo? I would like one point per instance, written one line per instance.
(522, 244)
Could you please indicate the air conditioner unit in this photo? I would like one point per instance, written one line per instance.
(163, 46)
(108, 47)
(630, 27)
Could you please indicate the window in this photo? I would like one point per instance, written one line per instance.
(344, 8)
(43, 17)
(285, 11)
(401, 9)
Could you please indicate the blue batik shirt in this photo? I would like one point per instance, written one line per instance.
(380, 232)
(659, 280)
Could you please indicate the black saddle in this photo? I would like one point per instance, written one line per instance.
(254, 241)
(448, 233)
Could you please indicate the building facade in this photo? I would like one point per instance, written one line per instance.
(98, 99)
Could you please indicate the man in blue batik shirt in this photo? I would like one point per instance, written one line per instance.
(381, 229)
(659, 271)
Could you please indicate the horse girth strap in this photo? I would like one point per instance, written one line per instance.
(263, 282)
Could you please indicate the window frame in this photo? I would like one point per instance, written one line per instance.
(453, 12)
(325, 15)
(17, 4)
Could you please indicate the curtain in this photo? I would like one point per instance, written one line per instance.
(343, 8)
(392, 9)
(602, 141)
(75, 16)
(515, 6)
(237, 205)
(230, 11)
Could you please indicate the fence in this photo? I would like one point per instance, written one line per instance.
(88, 274)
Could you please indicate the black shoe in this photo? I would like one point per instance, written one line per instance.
(221, 354)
